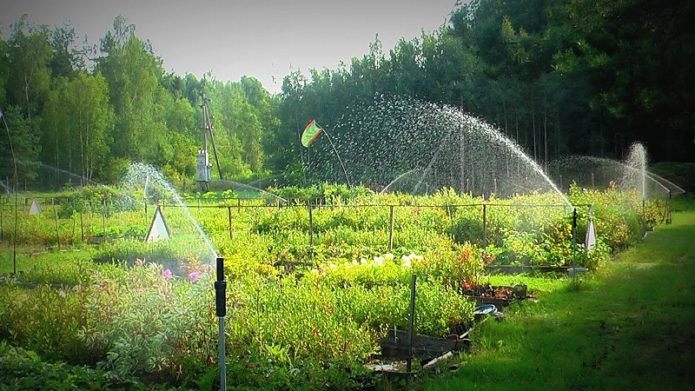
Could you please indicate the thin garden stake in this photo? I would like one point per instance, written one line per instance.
(484, 222)
(103, 217)
(390, 227)
(311, 227)
(55, 212)
(347, 178)
(14, 236)
(411, 326)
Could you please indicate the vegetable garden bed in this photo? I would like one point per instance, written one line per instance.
(500, 296)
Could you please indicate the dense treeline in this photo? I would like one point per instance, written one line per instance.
(91, 111)
(558, 77)
(566, 76)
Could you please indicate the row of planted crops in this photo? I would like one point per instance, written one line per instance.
(312, 288)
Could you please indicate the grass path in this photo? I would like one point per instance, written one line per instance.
(630, 326)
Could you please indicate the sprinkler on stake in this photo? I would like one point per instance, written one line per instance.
(221, 312)
(574, 245)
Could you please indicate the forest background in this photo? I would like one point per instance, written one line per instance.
(558, 77)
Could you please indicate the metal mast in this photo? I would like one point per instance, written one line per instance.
(202, 159)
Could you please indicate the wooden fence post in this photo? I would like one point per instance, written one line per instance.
(103, 217)
(484, 222)
(229, 218)
(311, 226)
(55, 212)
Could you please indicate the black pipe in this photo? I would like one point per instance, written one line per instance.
(574, 223)
(574, 245)
(220, 290)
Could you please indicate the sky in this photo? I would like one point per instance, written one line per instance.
(261, 38)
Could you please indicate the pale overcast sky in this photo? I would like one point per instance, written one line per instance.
(261, 38)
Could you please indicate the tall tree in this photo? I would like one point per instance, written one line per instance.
(78, 111)
(66, 58)
(22, 143)
(635, 55)
(133, 74)
(29, 73)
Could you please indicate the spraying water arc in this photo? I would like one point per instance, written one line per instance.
(386, 141)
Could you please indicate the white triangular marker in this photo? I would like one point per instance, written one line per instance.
(158, 228)
(590, 240)
(35, 209)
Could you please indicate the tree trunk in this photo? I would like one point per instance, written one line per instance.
(26, 95)
(504, 111)
(82, 158)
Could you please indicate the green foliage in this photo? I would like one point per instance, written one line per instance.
(328, 193)
(22, 369)
(78, 123)
(138, 321)
(19, 145)
(618, 215)
(627, 303)
(46, 320)
(299, 314)
(90, 122)
(532, 70)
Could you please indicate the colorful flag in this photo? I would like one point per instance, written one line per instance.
(311, 132)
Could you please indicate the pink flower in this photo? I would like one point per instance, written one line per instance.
(166, 273)
(193, 276)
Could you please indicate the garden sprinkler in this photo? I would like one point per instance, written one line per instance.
(221, 311)
(574, 245)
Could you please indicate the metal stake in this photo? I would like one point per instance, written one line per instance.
(411, 327)
(221, 311)
(390, 227)
(574, 245)
(311, 227)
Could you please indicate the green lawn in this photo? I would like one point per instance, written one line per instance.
(630, 326)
